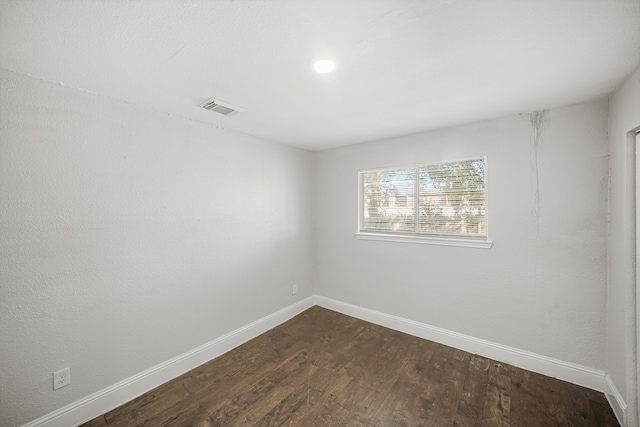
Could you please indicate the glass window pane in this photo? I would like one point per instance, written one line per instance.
(452, 198)
(388, 200)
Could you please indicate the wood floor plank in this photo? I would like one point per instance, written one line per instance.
(323, 368)
(240, 405)
(523, 399)
(392, 408)
(321, 391)
(602, 411)
(142, 409)
(96, 422)
(253, 371)
(579, 412)
(255, 415)
(330, 417)
(250, 359)
(416, 409)
(432, 389)
(471, 405)
(497, 408)
(417, 359)
(189, 416)
(390, 360)
(550, 406)
(279, 414)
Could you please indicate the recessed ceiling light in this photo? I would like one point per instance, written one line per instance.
(324, 66)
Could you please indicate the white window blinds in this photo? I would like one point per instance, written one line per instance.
(441, 199)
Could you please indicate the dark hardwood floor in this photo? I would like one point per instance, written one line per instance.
(323, 368)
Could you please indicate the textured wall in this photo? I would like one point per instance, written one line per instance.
(129, 237)
(624, 116)
(541, 288)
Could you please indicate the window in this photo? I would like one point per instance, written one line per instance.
(438, 203)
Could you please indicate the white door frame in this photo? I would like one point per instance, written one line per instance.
(633, 417)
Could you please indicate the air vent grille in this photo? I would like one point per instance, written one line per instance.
(221, 107)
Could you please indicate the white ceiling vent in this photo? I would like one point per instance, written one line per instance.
(221, 107)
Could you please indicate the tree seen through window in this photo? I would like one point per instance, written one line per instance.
(451, 199)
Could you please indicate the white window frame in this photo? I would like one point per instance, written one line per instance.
(481, 242)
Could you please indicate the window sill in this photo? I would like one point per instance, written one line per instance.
(427, 240)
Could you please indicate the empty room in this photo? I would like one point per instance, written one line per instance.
(319, 213)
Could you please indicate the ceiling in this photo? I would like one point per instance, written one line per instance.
(403, 66)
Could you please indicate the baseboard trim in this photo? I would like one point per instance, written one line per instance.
(573, 373)
(616, 400)
(111, 397)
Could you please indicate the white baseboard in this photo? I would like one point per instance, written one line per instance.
(111, 397)
(571, 372)
(615, 400)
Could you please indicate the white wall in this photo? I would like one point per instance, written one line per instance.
(621, 323)
(541, 288)
(129, 237)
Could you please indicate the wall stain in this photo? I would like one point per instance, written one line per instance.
(537, 121)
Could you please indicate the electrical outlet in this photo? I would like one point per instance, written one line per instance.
(61, 378)
(294, 289)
